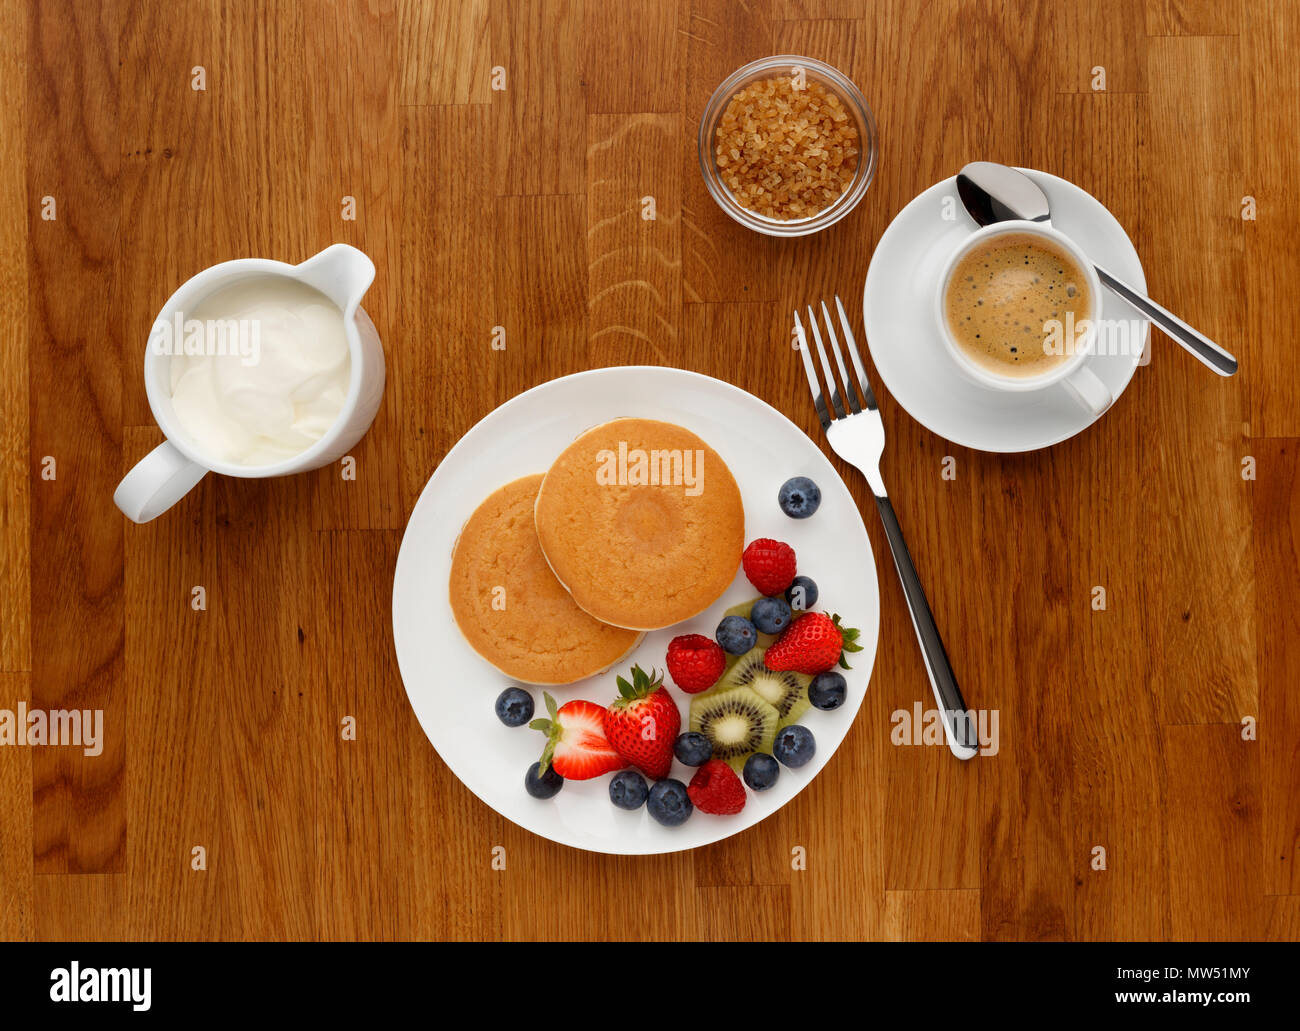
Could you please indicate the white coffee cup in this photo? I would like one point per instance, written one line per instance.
(171, 470)
(1079, 381)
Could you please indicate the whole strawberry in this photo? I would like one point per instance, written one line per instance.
(715, 788)
(769, 565)
(695, 662)
(812, 644)
(576, 745)
(642, 724)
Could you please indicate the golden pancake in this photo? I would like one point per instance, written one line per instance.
(642, 521)
(511, 608)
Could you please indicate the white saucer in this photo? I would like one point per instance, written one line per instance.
(453, 690)
(898, 313)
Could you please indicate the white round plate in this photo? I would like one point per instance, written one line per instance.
(898, 313)
(453, 690)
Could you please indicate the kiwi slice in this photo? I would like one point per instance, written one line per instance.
(737, 722)
(786, 692)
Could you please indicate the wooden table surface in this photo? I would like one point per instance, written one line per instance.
(1162, 729)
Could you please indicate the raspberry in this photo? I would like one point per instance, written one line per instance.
(715, 788)
(769, 565)
(695, 662)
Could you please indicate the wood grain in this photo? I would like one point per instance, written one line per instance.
(75, 375)
(1271, 180)
(516, 206)
(15, 499)
(634, 264)
(1215, 880)
(1275, 507)
(932, 915)
(17, 914)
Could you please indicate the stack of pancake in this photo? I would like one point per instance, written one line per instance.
(557, 576)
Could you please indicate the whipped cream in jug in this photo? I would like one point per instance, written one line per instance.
(260, 371)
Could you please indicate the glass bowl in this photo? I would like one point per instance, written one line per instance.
(834, 82)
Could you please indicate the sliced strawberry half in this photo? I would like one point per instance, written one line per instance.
(576, 745)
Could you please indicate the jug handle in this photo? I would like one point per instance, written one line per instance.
(157, 482)
(341, 272)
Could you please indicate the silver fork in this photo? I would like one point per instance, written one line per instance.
(858, 436)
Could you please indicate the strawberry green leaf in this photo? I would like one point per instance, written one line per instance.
(642, 684)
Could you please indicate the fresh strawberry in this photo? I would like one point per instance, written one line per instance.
(576, 745)
(812, 644)
(642, 724)
(769, 565)
(695, 662)
(715, 788)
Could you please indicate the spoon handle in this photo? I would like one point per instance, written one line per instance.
(1201, 346)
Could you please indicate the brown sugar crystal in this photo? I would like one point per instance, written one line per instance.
(786, 152)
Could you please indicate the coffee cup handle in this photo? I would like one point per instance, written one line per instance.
(1086, 387)
(157, 482)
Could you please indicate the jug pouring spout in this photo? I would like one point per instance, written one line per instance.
(342, 273)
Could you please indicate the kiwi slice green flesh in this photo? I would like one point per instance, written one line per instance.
(785, 691)
(737, 723)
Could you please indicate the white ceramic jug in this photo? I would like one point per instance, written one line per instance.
(166, 474)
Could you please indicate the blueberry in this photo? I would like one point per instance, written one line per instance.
(545, 786)
(669, 803)
(794, 746)
(628, 790)
(693, 748)
(799, 497)
(770, 615)
(514, 707)
(761, 771)
(802, 594)
(827, 690)
(737, 635)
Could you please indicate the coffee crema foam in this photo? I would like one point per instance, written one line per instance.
(1003, 297)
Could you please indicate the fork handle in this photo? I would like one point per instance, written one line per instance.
(957, 724)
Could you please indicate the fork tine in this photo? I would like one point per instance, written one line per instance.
(863, 382)
(836, 405)
(819, 400)
(850, 395)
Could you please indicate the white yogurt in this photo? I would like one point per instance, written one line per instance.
(267, 375)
